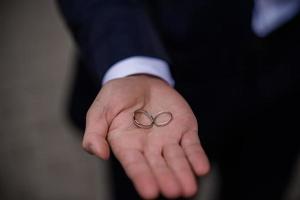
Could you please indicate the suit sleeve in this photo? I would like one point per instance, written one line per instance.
(107, 31)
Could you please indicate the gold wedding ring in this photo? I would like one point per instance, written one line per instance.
(152, 120)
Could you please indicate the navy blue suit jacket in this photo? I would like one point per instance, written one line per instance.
(177, 31)
(208, 43)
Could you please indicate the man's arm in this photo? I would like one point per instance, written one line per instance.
(107, 32)
(157, 160)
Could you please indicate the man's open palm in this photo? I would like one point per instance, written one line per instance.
(157, 160)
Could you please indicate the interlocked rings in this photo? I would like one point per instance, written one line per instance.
(141, 125)
(152, 120)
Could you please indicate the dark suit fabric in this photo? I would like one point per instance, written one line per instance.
(243, 89)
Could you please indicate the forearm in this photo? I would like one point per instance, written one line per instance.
(109, 31)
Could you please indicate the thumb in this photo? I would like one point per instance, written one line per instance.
(94, 140)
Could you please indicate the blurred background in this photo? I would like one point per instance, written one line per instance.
(40, 151)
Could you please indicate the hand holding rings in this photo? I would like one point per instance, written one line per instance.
(152, 120)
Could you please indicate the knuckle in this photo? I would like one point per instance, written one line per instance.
(87, 147)
(84, 145)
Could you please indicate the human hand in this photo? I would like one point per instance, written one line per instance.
(157, 160)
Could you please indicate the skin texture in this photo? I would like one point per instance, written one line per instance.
(161, 160)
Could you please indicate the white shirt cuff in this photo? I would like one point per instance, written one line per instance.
(139, 65)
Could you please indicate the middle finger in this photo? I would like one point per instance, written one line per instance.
(167, 181)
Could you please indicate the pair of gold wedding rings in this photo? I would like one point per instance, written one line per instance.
(152, 120)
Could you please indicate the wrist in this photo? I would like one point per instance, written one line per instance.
(148, 79)
(141, 85)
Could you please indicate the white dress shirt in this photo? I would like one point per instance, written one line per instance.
(267, 16)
